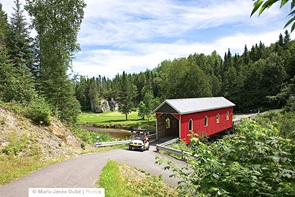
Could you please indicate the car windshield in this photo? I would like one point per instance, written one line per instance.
(137, 136)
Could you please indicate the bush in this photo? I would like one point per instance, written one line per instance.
(39, 111)
(83, 145)
(258, 160)
(16, 144)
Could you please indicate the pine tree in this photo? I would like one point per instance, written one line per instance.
(281, 40)
(7, 71)
(246, 58)
(82, 93)
(127, 93)
(287, 39)
(20, 50)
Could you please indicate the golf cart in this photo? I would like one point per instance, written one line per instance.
(139, 140)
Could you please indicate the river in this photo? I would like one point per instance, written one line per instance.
(115, 133)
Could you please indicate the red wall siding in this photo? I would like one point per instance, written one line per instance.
(198, 122)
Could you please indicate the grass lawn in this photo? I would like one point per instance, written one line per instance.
(116, 120)
(107, 117)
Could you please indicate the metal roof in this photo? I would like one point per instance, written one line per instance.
(192, 105)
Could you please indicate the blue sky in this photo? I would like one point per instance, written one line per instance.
(135, 35)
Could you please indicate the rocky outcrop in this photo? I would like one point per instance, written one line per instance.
(100, 105)
(113, 105)
(51, 141)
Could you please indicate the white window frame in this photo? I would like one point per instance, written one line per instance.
(217, 118)
(191, 124)
(227, 115)
(206, 121)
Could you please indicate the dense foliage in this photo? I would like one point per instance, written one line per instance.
(37, 68)
(260, 78)
(258, 160)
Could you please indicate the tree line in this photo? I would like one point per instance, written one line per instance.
(34, 71)
(261, 78)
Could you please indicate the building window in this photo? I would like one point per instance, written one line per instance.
(206, 121)
(167, 123)
(217, 118)
(227, 115)
(190, 125)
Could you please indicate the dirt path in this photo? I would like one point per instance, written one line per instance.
(83, 171)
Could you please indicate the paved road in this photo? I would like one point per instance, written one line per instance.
(238, 117)
(83, 171)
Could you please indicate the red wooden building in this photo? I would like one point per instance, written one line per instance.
(181, 117)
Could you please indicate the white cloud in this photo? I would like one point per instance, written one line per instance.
(118, 35)
(110, 62)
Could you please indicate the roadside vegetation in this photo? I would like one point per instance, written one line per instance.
(119, 179)
(257, 160)
(30, 138)
(13, 167)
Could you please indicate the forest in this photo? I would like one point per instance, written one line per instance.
(261, 78)
(34, 72)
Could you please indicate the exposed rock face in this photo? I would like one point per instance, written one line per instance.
(113, 105)
(100, 105)
(50, 141)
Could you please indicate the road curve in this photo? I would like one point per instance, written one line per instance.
(84, 170)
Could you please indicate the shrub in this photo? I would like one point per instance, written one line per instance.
(255, 161)
(16, 144)
(39, 111)
(83, 145)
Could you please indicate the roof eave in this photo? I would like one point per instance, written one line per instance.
(196, 111)
(166, 101)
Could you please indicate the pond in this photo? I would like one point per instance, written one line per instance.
(115, 133)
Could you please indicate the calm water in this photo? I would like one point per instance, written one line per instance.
(115, 133)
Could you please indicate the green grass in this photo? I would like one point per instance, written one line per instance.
(12, 167)
(121, 180)
(107, 117)
(116, 120)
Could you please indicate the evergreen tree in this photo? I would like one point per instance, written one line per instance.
(126, 95)
(287, 39)
(3, 28)
(20, 50)
(82, 93)
(246, 58)
(57, 24)
(281, 40)
(7, 71)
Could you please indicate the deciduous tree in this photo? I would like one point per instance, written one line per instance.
(262, 5)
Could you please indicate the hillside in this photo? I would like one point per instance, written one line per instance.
(18, 136)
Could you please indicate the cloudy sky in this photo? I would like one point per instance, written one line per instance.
(135, 35)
